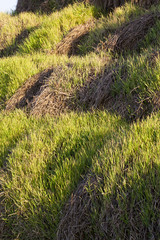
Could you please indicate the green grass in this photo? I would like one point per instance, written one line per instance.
(47, 163)
(15, 70)
(14, 26)
(69, 74)
(52, 154)
(143, 76)
(56, 26)
(107, 25)
(130, 168)
(143, 70)
(14, 126)
(43, 159)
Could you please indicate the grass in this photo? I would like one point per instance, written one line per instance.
(13, 27)
(130, 167)
(13, 128)
(143, 76)
(56, 26)
(73, 72)
(43, 159)
(106, 25)
(15, 70)
(143, 69)
(47, 163)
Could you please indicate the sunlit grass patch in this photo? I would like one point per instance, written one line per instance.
(14, 71)
(142, 76)
(13, 127)
(56, 26)
(13, 27)
(47, 163)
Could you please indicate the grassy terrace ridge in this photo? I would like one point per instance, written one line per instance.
(88, 169)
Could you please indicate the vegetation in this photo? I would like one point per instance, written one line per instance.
(92, 169)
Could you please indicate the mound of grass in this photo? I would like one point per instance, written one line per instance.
(69, 73)
(107, 25)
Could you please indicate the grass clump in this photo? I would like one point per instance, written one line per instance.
(142, 75)
(69, 73)
(142, 72)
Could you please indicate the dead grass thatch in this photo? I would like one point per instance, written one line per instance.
(49, 101)
(44, 94)
(153, 57)
(70, 42)
(76, 221)
(129, 36)
(41, 94)
(145, 3)
(98, 93)
(33, 6)
(31, 88)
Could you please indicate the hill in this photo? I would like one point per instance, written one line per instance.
(80, 122)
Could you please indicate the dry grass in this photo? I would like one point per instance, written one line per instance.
(97, 93)
(70, 42)
(129, 36)
(44, 94)
(145, 3)
(76, 223)
(50, 102)
(37, 97)
(153, 57)
(31, 88)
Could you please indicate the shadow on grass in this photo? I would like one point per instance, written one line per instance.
(61, 173)
(12, 49)
(132, 211)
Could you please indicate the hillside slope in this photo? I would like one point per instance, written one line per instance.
(80, 124)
